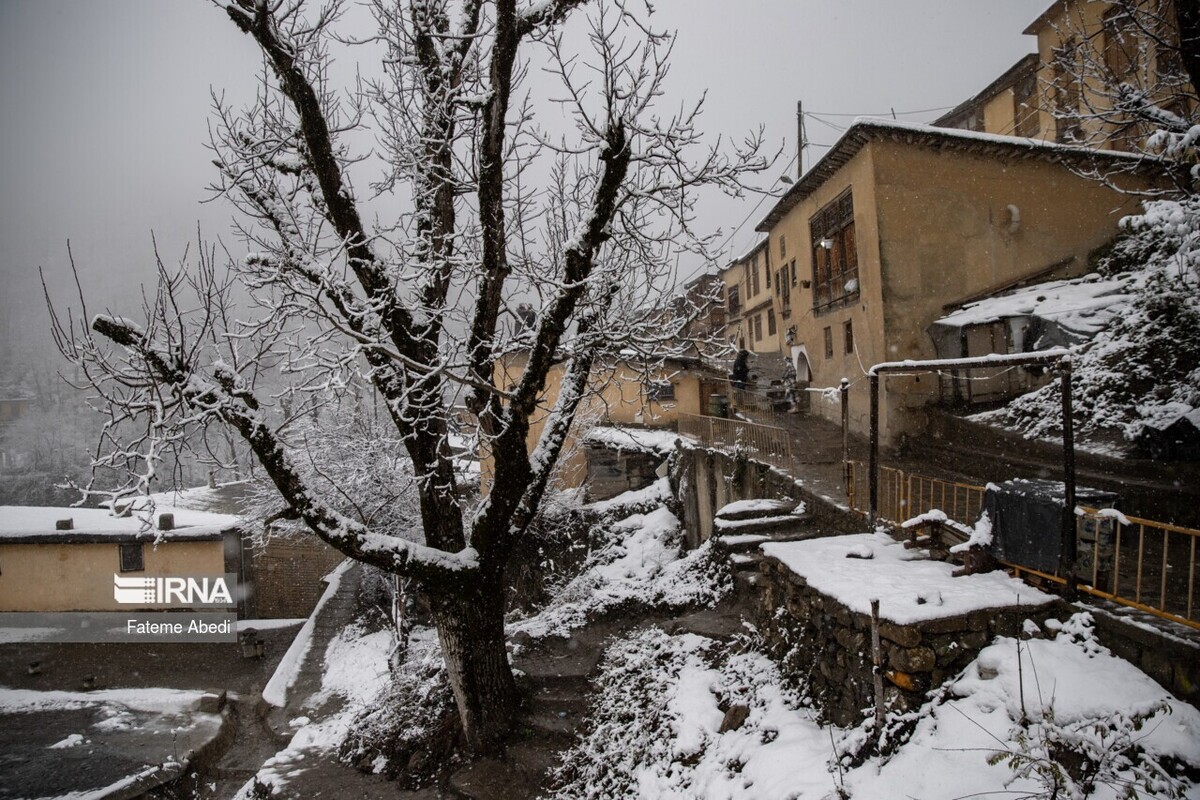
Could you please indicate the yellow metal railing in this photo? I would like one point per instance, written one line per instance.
(765, 443)
(904, 495)
(1136, 562)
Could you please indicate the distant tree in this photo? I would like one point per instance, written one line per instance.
(583, 224)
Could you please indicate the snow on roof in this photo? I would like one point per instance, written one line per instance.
(1083, 306)
(37, 523)
(640, 439)
(865, 129)
(910, 589)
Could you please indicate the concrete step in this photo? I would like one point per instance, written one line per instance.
(534, 758)
(756, 509)
(713, 623)
(551, 724)
(767, 524)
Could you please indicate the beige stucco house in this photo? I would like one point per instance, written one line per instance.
(900, 222)
(622, 391)
(64, 559)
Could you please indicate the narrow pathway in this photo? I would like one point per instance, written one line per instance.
(557, 675)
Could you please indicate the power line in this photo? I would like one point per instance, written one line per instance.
(757, 205)
(887, 113)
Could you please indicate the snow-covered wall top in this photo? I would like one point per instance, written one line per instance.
(858, 568)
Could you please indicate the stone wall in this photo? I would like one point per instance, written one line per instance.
(1168, 653)
(818, 639)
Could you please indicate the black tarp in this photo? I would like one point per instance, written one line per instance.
(1027, 518)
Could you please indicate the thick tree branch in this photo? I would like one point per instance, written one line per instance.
(236, 406)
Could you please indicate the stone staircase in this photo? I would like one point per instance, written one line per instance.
(742, 526)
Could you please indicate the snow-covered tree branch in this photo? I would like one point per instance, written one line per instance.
(489, 233)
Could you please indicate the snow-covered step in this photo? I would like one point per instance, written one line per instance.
(756, 509)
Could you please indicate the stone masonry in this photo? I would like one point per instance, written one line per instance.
(816, 638)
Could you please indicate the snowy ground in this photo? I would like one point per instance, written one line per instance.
(665, 720)
(356, 672)
(655, 731)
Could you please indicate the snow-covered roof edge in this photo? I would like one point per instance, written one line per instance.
(865, 129)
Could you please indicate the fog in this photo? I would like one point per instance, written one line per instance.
(106, 107)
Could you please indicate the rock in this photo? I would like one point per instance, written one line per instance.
(903, 635)
(212, 701)
(912, 659)
(735, 718)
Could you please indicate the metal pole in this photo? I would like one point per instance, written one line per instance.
(1067, 557)
(873, 458)
(845, 396)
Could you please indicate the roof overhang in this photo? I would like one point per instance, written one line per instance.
(867, 129)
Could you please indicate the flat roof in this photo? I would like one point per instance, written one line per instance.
(36, 525)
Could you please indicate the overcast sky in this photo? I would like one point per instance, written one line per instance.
(104, 107)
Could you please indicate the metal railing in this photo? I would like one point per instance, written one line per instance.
(1141, 563)
(904, 495)
(765, 443)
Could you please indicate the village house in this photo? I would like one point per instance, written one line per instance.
(1086, 49)
(64, 559)
(899, 223)
(624, 390)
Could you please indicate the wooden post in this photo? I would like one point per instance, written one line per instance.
(877, 666)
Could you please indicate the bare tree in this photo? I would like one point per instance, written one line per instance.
(1125, 78)
(582, 223)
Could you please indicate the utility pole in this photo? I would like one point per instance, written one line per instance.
(800, 143)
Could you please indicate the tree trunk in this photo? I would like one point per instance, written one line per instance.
(470, 627)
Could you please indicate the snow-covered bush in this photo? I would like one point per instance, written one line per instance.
(659, 727)
(634, 561)
(411, 731)
(1147, 364)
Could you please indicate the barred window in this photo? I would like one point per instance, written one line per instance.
(835, 255)
(659, 391)
(132, 557)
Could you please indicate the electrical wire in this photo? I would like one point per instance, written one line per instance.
(887, 113)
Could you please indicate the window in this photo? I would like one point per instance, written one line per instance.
(829, 342)
(735, 300)
(785, 293)
(660, 391)
(1025, 110)
(793, 272)
(758, 327)
(1066, 93)
(132, 559)
(1121, 43)
(782, 247)
(767, 275)
(770, 322)
(754, 276)
(848, 334)
(835, 254)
